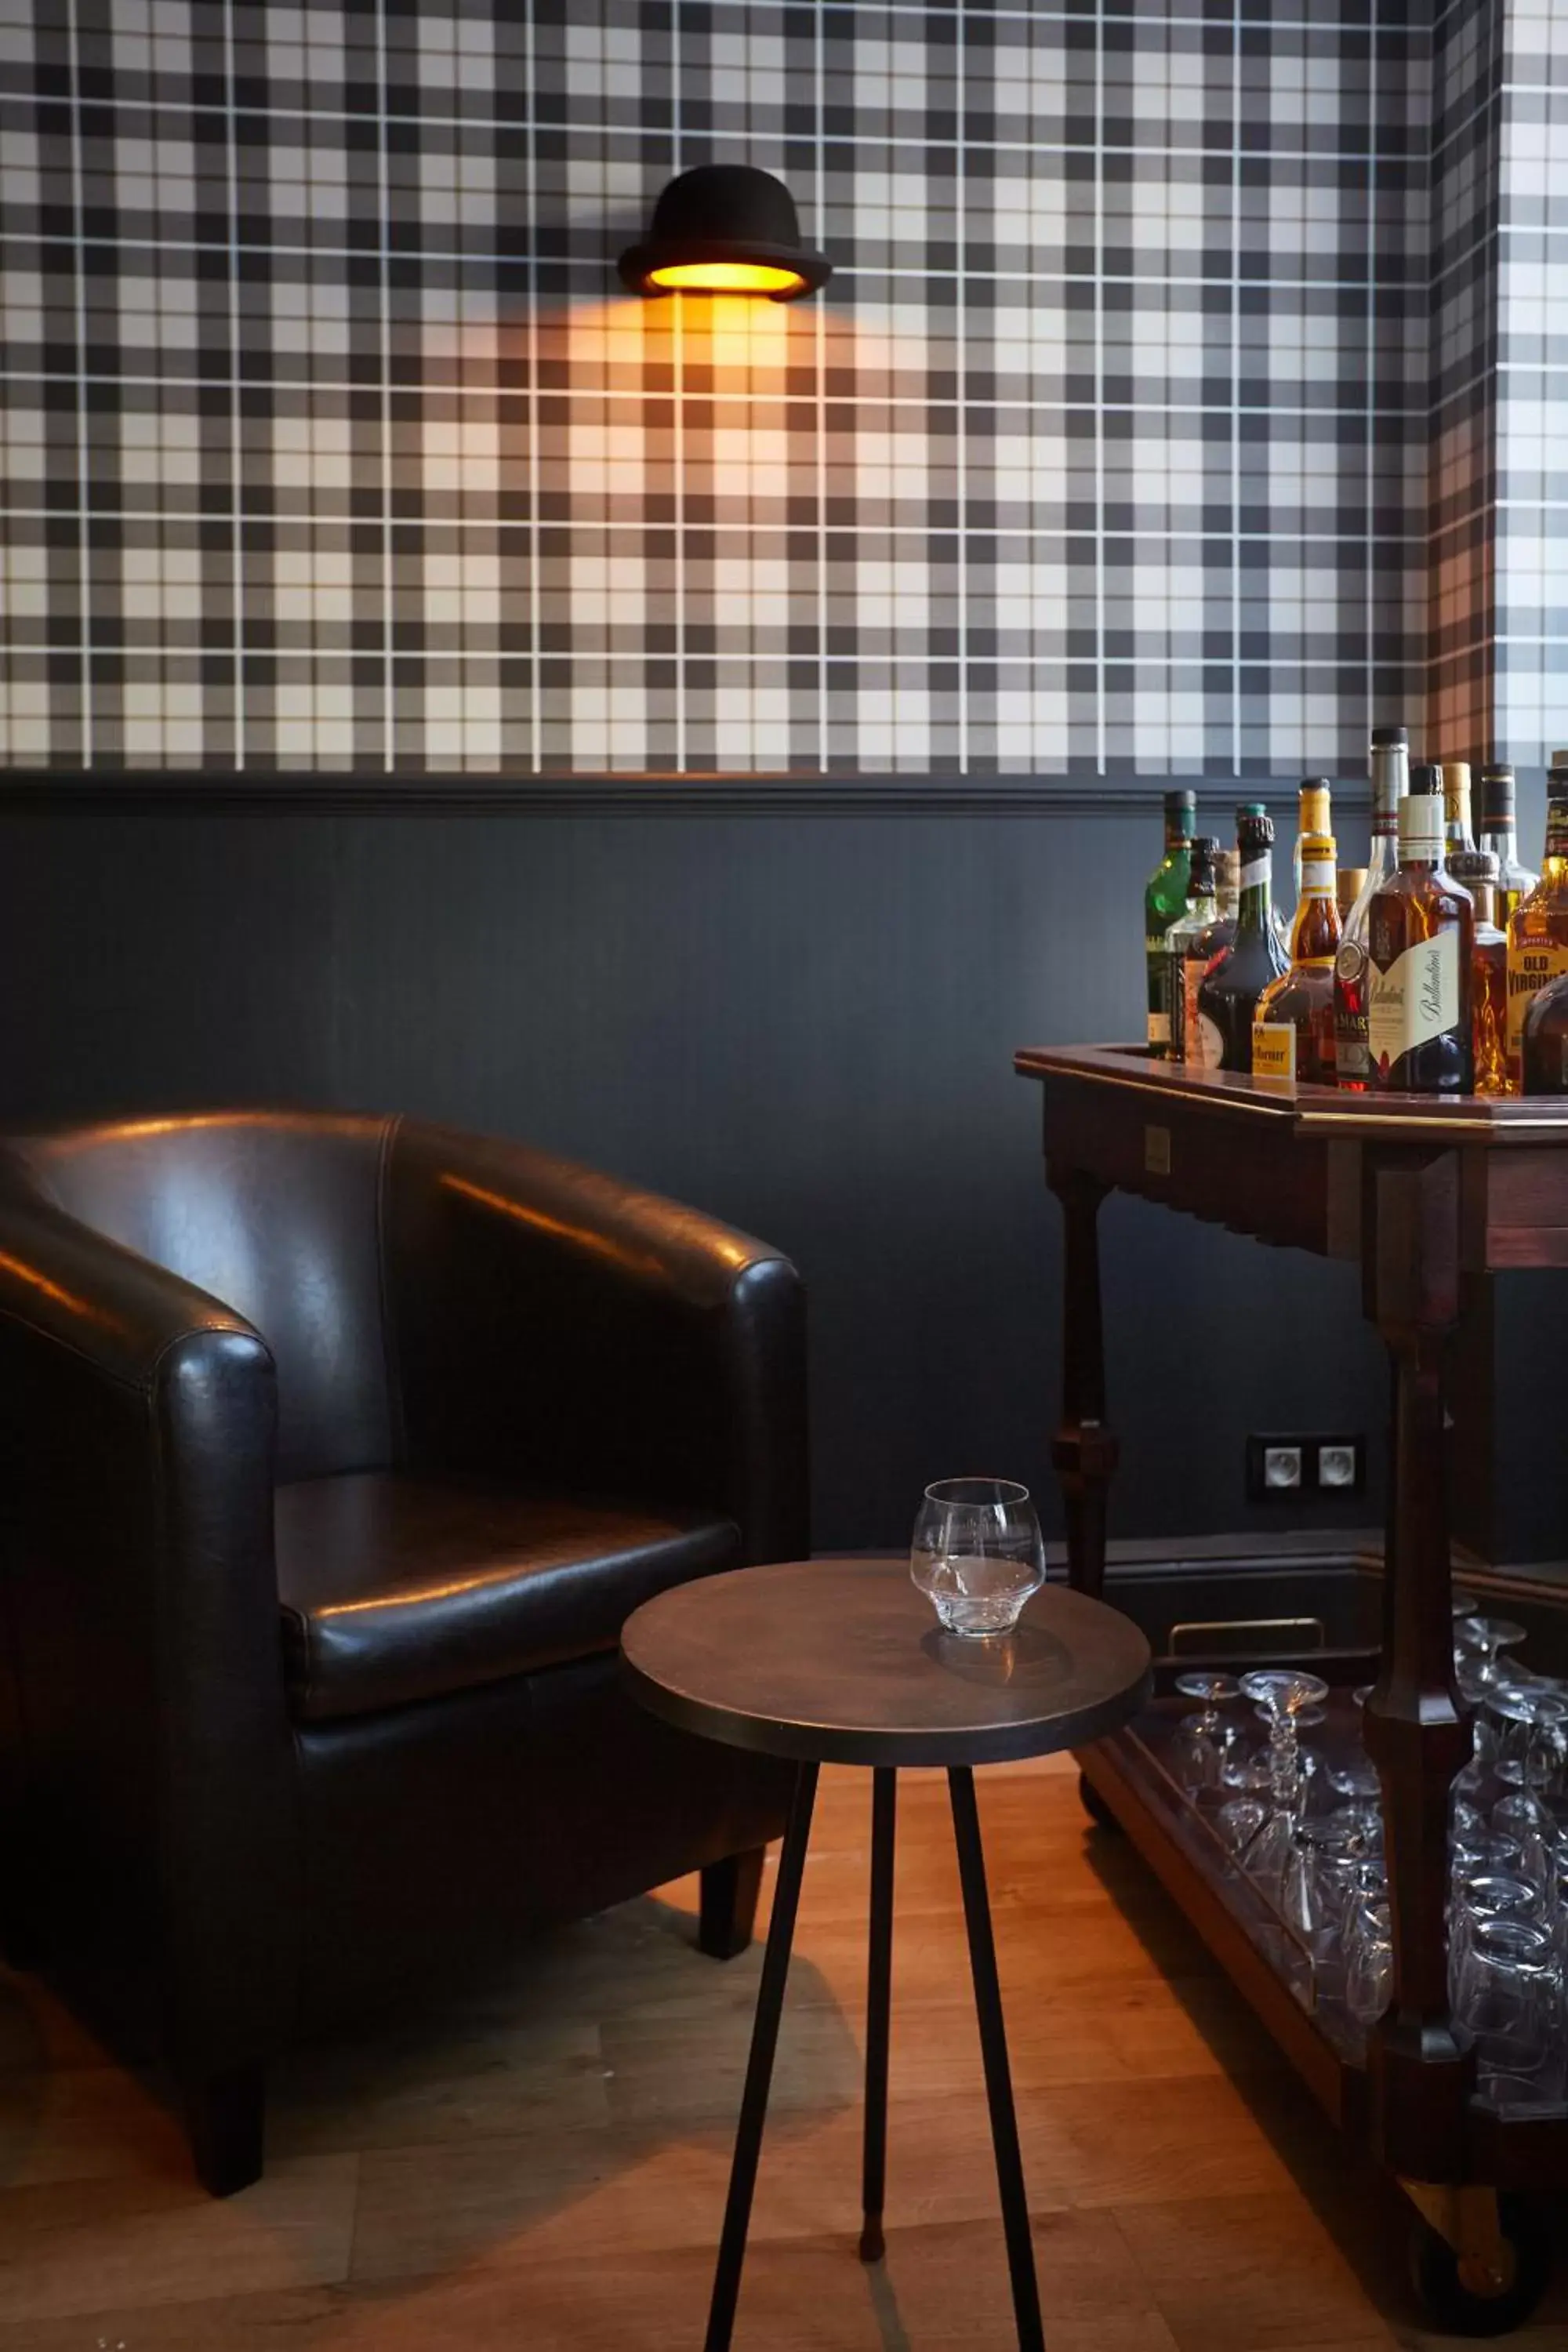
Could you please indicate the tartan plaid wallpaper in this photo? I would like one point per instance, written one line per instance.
(331, 442)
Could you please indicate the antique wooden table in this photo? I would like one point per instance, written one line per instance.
(1431, 1197)
(842, 1661)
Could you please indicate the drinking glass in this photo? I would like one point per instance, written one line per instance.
(1284, 1695)
(1507, 1988)
(978, 1553)
(1525, 1719)
(1479, 1645)
(1202, 1742)
(1368, 1961)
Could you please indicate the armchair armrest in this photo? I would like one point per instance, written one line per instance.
(554, 1325)
(146, 1789)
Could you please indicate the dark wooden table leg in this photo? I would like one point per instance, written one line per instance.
(994, 2055)
(1083, 1449)
(760, 2064)
(1415, 1732)
(878, 2003)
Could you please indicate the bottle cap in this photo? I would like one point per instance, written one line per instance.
(1313, 798)
(1425, 779)
(1387, 737)
(1201, 871)
(1468, 865)
(1180, 804)
(1349, 883)
(1252, 818)
(1421, 822)
(1497, 796)
(1251, 808)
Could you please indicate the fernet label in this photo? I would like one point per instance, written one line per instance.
(1415, 1000)
(1529, 972)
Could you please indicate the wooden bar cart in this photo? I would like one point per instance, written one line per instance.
(1430, 1197)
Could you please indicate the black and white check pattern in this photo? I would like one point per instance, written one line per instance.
(331, 442)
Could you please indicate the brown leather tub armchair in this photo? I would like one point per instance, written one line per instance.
(335, 1451)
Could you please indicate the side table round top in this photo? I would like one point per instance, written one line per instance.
(843, 1662)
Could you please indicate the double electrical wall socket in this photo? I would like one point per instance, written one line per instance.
(1288, 1468)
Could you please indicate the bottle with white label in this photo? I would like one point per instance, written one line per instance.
(1293, 1028)
(1538, 927)
(1228, 996)
(1390, 766)
(1421, 929)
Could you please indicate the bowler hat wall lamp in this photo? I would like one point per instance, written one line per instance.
(724, 228)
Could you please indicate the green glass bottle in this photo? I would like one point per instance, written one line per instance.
(1164, 903)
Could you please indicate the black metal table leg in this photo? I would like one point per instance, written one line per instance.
(993, 2053)
(879, 1999)
(760, 2064)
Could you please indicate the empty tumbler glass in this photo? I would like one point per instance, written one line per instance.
(978, 1553)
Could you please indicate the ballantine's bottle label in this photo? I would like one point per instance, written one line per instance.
(1416, 1000)
(1528, 970)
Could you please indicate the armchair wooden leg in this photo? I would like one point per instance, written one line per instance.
(729, 1904)
(224, 2117)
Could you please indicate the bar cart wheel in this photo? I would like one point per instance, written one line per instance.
(1095, 1806)
(1482, 2294)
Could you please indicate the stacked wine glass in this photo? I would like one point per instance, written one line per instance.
(1303, 1822)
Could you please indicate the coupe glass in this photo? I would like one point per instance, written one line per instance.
(1525, 1720)
(1202, 1742)
(1479, 1645)
(978, 1553)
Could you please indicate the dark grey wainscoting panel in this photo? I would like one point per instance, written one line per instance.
(801, 1021)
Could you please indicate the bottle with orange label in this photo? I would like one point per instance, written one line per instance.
(1293, 1028)
(1538, 927)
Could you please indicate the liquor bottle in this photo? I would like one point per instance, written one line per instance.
(1545, 1042)
(1312, 816)
(1390, 766)
(1497, 832)
(1183, 938)
(1293, 1027)
(1227, 997)
(1164, 903)
(1420, 939)
(1538, 927)
(1206, 952)
(1477, 869)
(1349, 883)
(1456, 808)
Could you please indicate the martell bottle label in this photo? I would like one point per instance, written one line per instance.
(1416, 1000)
(1352, 1059)
(1529, 970)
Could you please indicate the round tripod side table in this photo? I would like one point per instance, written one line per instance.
(842, 1661)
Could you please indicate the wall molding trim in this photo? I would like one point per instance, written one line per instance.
(328, 793)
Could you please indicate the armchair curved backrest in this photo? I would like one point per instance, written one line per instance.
(277, 1217)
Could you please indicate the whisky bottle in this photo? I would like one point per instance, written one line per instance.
(1538, 927)
(1389, 765)
(1499, 833)
(1228, 994)
(1456, 809)
(1420, 938)
(1293, 1028)
(1203, 954)
(1545, 1042)
(1164, 903)
(1182, 940)
(1477, 869)
(1313, 818)
(1349, 883)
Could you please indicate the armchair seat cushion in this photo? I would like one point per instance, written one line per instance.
(396, 1588)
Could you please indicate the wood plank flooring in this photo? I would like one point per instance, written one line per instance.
(541, 2169)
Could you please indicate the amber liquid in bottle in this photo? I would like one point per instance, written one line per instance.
(1420, 942)
(1538, 927)
(1390, 777)
(1302, 1000)
(1546, 1042)
(1481, 872)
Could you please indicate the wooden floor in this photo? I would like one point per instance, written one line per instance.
(545, 2167)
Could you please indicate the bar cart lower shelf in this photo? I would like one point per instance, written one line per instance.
(1431, 1198)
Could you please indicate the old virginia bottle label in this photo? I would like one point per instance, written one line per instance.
(1416, 1000)
(1529, 970)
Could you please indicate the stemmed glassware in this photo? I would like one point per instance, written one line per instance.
(1202, 1741)
(1285, 1694)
